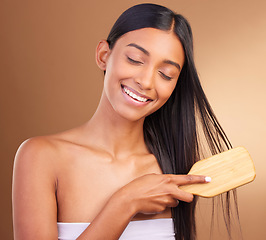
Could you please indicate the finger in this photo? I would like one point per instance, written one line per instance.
(178, 194)
(189, 179)
(173, 203)
(181, 195)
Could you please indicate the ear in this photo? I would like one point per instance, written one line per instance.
(102, 54)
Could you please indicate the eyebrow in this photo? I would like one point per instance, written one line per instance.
(139, 47)
(148, 54)
(173, 63)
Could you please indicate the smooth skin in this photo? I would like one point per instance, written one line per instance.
(102, 171)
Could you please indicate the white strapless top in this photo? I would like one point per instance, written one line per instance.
(155, 229)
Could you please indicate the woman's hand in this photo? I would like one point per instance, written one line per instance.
(153, 193)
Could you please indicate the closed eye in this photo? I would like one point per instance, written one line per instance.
(134, 61)
(165, 76)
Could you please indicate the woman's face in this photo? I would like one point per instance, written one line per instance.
(142, 71)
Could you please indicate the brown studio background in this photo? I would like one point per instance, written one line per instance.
(50, 82)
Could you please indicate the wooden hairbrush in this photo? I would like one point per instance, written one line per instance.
(228, 170)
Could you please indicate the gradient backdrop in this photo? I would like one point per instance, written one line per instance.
(49, 81)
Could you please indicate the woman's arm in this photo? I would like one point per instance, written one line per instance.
(34, 192)
(149, 194)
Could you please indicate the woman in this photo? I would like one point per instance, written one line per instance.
(117, 176)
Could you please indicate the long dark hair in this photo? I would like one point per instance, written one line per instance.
(177, 131)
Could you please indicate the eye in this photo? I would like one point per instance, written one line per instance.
(134, 61)
(165, 76)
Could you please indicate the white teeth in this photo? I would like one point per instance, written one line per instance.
(133, 95)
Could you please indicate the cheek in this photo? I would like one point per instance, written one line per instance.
(165, 91)
(117, 71)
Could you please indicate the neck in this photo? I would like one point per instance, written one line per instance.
(115, 134)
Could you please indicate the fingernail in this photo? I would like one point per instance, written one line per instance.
(208, 179)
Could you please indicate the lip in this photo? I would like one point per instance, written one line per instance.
(132, 100)
(137, 93)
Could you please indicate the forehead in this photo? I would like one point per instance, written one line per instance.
(157, 42)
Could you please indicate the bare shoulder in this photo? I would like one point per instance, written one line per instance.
(37, 150)
(36, 145)
(44, 148)
(46, 152)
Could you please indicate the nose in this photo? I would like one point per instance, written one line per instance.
(145, 79)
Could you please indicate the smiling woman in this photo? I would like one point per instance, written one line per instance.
(118, 175)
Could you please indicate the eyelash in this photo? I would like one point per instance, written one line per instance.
(134, 61)
(138, 62)
(165, 76)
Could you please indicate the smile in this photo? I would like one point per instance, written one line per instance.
(134, 96)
